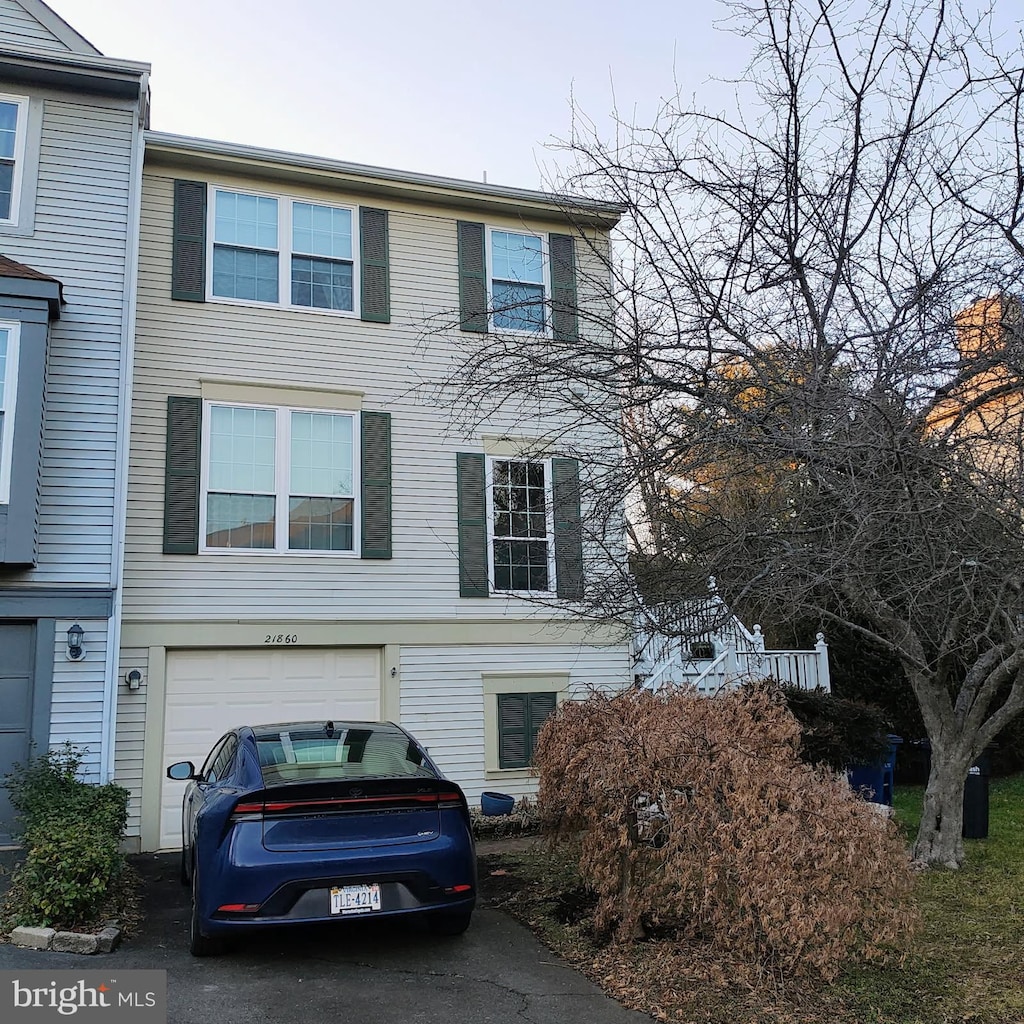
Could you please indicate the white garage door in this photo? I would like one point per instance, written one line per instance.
(210, 692)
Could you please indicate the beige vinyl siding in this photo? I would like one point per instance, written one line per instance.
(18, 28)
(76, 708)
(442, 699)
(395, 365)
(80, 238)
(131, 732)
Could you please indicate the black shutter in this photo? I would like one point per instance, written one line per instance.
(472, 508)
(375, 448)
(374, 270)
(562, 253)
(181, 476)
(513, 738)
(188, 252)
(472, 277)
(565, 486)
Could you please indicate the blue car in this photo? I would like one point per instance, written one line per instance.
(306, 822)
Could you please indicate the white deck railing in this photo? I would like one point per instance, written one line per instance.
(739, 663)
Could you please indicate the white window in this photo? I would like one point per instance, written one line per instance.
(518, 281)
(521, 549)
(279, 479)
(8, 391)
(271, 249)
(13, 113)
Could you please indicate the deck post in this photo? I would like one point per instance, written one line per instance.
(821, 649)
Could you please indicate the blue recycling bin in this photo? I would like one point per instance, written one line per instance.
(875, 781)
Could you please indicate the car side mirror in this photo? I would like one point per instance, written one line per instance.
(182, 771)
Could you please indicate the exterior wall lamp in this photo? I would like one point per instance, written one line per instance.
(75, 637)
(133, 679)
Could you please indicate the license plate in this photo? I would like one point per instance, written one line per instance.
(355, 899)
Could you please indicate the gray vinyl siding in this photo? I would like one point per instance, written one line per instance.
(80, 238)
(19, 29)
(448, 717)
(76, 706)
(179, 343)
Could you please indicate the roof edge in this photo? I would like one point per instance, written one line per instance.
(570, 205)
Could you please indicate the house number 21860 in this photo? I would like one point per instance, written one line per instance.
(281, 638)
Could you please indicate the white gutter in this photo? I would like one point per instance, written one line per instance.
(188, 146)
(124, 413)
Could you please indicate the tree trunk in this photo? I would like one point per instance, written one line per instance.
(939, 840)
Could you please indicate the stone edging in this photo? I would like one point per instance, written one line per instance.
(67, 942)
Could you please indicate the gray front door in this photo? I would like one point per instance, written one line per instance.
(17, 648)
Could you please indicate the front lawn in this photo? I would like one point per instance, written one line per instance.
(966, 964)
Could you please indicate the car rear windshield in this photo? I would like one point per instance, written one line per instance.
(293, 754)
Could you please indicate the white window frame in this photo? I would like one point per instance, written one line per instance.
(545, 275)
(8, 402)
(549, 525)
(21, 133)
(285, 202)
(282, 466)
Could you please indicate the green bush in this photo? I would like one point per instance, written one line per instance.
(72, 832)
(835, 731)
(67, 873)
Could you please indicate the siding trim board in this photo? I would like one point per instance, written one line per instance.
(60, 602)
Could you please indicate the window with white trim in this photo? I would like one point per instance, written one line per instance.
(521, 552)
(13, 114)
(518, 281)
(280, 251)
(8, 391)
(279, 479)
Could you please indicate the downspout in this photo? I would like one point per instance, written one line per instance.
(124, 412)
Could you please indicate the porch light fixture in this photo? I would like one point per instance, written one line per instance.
(133, 679)
(75, 637)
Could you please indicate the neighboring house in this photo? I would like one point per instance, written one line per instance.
(70, 163)
(307, 537)
(984, 416)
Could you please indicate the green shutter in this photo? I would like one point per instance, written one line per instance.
(374, 269)
(562, 254)
(181, 476)
(472, 277)
(188, 252)
(375, 448)
(565, 487)
(520, 717)
(472, 508)
(513, 735)
(538, 707)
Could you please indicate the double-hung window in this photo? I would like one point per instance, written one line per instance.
(8, 390)
(279, 479)
(13, 112)
(517, 281)
(521, 527)
(276, 250)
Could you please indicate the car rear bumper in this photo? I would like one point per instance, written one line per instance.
(296, 888)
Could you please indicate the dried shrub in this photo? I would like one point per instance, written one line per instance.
(695, 818)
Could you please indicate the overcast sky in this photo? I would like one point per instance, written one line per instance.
(453, 87)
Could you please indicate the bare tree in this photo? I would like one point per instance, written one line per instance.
(796, 407)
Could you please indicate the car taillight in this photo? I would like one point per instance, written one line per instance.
(254, 809)
(454, 889)
(238, 908)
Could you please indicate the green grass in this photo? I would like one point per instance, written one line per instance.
(964, 966)
(967, 962)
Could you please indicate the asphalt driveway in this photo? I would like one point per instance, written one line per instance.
(359, 972)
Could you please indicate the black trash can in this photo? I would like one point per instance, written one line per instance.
(976, 799)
